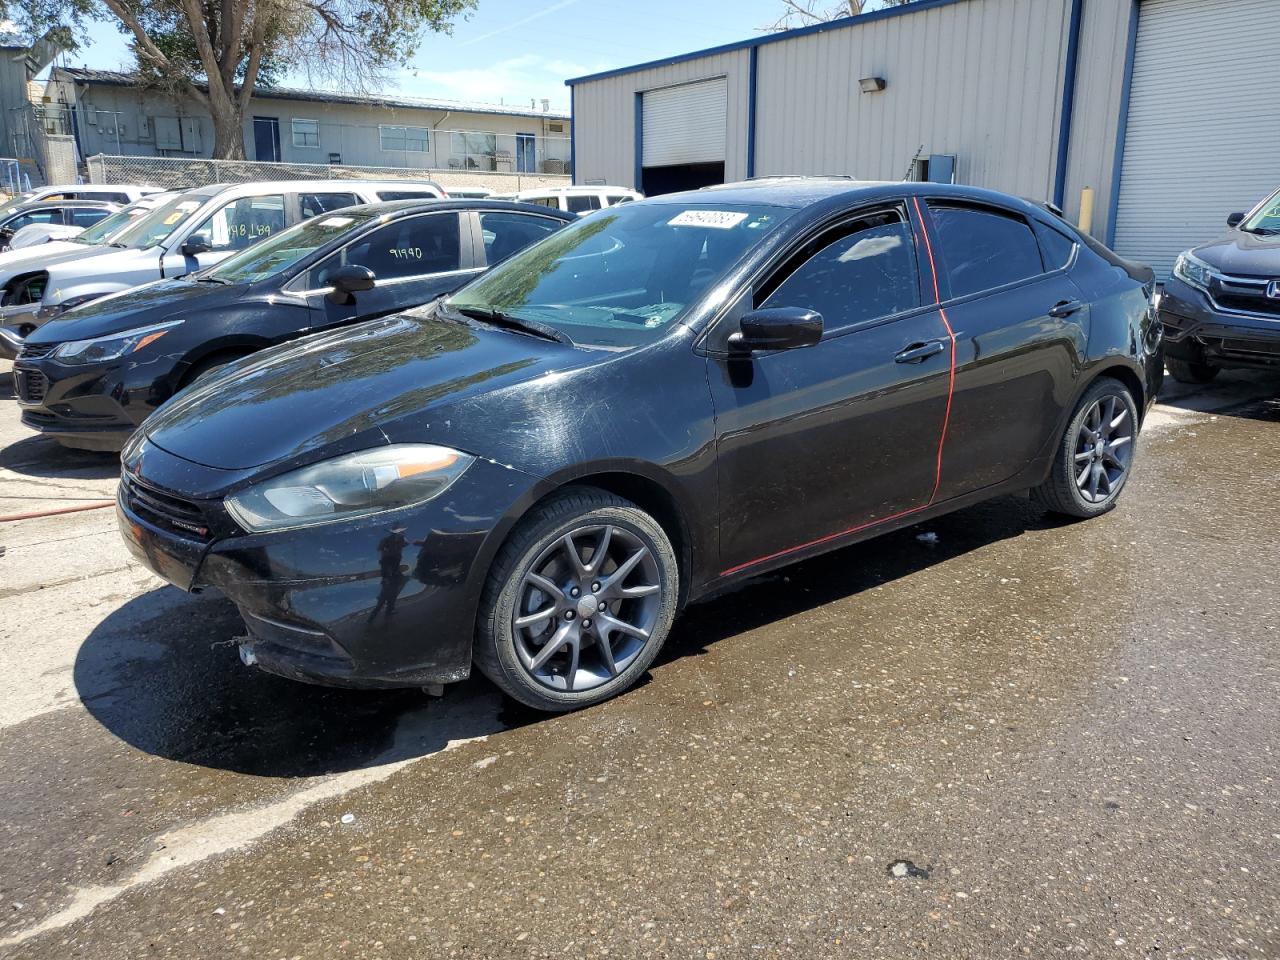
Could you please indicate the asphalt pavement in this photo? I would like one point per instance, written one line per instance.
(1017, 737)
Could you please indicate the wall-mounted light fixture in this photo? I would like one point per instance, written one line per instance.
(871, 84)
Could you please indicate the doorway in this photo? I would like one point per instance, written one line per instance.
(526, 153)
(684, 176)
(266, 139)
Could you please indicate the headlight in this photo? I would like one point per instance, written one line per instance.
(113, 347)
(355, 485)
(1189, 269)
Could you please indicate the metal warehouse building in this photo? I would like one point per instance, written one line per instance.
(1168, 109)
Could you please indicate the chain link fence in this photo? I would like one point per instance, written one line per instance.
(186, 172)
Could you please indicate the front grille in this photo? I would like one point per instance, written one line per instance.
(164, 510)
(34, 351)
(1262, 348)
(29, 385)
(1244, 294)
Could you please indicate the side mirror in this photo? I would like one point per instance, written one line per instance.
(777, 328)
(196, 246)
(348, 280)
(1235, 219)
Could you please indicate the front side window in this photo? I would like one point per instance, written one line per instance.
(314, 204)
(861, 271)
(1266, 220)
(984, 248)
(408, 247)
(284, 249)
(242, 223)
(621, 276)
(35, 216)
(411, 139)
(506, 234)
(306, 133)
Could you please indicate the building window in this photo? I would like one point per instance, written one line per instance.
(413, 139)
(475, 150)
(306, 133)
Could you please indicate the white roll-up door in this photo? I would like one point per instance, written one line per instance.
(684, 124)
(1203, 133)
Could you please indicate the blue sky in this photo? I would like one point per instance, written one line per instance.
(514, 51)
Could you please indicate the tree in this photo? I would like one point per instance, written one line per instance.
(803, 13)
(217, 51)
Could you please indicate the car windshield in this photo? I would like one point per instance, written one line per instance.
(621, 276)
(286, 248)
(152, 228)
(104, 228)
(1267, 218)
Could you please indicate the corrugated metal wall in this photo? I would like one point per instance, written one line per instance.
(981, 80)
(606, 109)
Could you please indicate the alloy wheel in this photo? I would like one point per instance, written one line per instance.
(587, 607)
(1104, 449)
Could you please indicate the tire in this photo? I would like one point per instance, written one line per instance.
(207, 368)
(515, 656)
(1190, 371)
(1094, 460)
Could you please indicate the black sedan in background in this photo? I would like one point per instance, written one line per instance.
(91, 376)
(1221, 307)
(534, 474)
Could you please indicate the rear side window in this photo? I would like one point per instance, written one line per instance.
(861, 271)
(409, 247)
(87, 218)
(580, 204)
(508, 233)
(1055, 247)
(314, 204)
(984, 248)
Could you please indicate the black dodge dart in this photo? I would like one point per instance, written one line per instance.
(534, 475)
(1221, 307)
(88, 378)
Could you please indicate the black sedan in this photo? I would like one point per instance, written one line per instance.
(1221, 307)
(670, 396)
(90, 377)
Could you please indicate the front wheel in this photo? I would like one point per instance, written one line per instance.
(1095, 454)
(579, 601)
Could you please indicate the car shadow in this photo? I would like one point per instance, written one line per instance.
(44, 457)
(1230, 393)
(162, 673)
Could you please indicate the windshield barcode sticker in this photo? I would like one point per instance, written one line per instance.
(717, 219)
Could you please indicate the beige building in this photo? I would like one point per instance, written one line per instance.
(1165, 108)
(108, 113)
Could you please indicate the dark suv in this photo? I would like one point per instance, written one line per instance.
(1221, 307)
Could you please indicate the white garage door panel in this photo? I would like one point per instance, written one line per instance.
(1203, 135)
(684, 124)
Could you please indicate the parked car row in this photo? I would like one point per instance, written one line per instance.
(532, 474)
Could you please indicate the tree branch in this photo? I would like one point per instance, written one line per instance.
(147, 48)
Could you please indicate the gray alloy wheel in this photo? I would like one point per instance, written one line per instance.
(579, 601)
(1095, 454)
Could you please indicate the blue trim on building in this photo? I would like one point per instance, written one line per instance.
(639, 170)
(917, 6)
(1123, 122)
(1068, 103)
(573, 137)
(752, 66)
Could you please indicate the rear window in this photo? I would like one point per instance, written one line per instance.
(984, 248)
(583, 204)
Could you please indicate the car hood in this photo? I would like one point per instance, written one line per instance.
(405, 378)
(139, 307)
(44, 255)
(104, 262)
(1243, 254)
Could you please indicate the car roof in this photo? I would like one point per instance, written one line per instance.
(293, 186)
(405, 207)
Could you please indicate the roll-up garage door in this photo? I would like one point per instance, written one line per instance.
(684, 124)
(1203, 133)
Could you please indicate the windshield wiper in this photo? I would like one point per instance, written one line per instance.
(209, 280)
(511, 322)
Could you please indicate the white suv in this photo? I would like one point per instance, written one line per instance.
(579, 200)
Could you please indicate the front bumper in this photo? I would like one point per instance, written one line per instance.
(321, 603)
(84, 406)
(1197, 330)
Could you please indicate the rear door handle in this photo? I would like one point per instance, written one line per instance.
(1065, 308)
(919, 352)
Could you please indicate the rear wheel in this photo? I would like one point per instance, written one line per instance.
(1095, 454)
(1190, 371)
(579, 602)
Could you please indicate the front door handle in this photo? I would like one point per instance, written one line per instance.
(919, 352)
(1065, 308)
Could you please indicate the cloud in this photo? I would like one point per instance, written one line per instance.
(505, 28)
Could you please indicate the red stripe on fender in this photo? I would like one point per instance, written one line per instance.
(942, 440)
